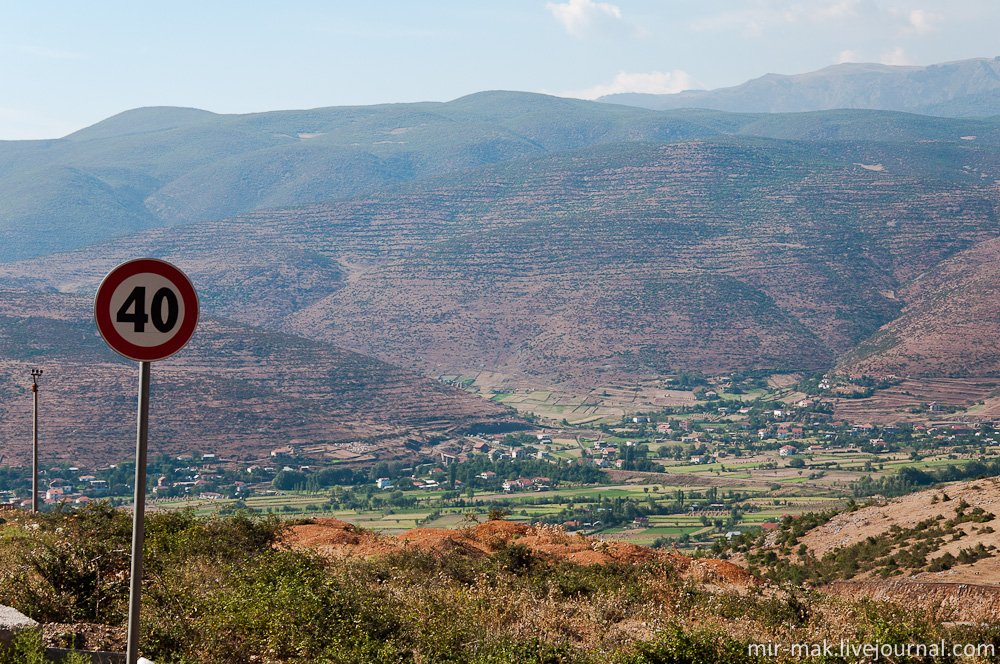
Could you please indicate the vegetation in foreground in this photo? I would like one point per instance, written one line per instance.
(224, 589)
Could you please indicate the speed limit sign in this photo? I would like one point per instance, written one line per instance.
(146, 309)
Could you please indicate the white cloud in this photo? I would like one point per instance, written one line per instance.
(753, 28)
(848, 56)
(895, 57)
(754, 18)
(923, 21)
(586, 19)
(656, 82)
(839, 9)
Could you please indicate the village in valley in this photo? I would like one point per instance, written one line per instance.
(734, 456)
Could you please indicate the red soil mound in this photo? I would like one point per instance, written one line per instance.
(323, 531)
(707, 570)
(441, 540)
(340, 538)
(497, 533)
(505, 528)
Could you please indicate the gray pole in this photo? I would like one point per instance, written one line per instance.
(138, 515)
(35, 373)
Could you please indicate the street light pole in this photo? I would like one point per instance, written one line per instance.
(35, 373)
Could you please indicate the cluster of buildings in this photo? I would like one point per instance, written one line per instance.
(525, 484)
(65, 486)
(493, 447)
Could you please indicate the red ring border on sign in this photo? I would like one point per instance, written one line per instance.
(102, 309)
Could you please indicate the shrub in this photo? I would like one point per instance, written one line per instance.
(27, 648)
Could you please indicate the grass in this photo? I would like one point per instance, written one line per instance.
(218, 590)
(795, 494)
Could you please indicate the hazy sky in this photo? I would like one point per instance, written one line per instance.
(66, 65)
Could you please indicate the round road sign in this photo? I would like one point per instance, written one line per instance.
(146, 309)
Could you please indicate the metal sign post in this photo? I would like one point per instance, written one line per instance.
(138, 514)
(146, 310)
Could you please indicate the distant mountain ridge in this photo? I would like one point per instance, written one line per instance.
(966, 88)
(155, 167)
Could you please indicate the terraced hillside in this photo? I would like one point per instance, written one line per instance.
(613, 261)
(233, 390)
(948, 327)
(609, 263)
(154, 167)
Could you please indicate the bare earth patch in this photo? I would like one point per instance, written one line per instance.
(339, 539)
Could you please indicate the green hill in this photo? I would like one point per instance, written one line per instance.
(157, 167)
(141, 121)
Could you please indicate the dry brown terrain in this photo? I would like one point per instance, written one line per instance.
(953, 602)
(851, 527)
(234, 391)
(967, 592)
(598, 267)
(893, 405)
(338, 538)
(948, 327)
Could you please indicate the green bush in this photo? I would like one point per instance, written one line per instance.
(27, 648)
(224, 590)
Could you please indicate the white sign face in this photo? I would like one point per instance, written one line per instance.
(146, 309)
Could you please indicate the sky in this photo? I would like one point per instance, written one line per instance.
(66, 65)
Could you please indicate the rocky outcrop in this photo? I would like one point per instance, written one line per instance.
(12, 623)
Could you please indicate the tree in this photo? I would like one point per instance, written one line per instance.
(287, 480)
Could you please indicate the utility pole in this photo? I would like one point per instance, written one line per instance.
(35, 373)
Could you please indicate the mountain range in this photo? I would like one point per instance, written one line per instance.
(967, 88)
(544, 241)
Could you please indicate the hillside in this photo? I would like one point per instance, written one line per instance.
(604, 263)
(948, 327)
(234, 391)
(155, 167)
(851, 528)
(933, 551)
(967, 88)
